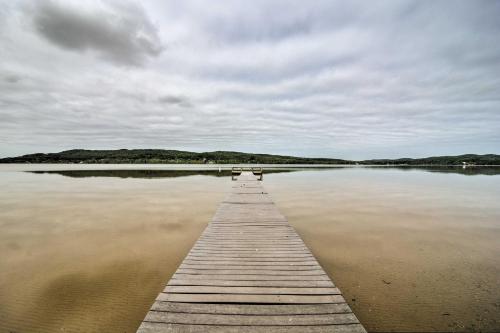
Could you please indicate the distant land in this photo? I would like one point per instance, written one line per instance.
(157, 156)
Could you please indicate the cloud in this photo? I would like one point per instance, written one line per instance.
(323, 78)
(12, 78)
(175, 100)
(121, 33)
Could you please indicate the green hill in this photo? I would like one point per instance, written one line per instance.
(163, 156)
(155, 156)
(488, 159)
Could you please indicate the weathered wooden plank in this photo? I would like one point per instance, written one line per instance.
(251, 245)
(246, 254)
(231, 227)
(243, 246)
(248, 202)
(265, 261)
(249, 190)
(247, 283)
(265, 235)
(252, 290)
(249, 199)
(284, 244)
(225, 230)
(251, 277)
(249, 250)
(254, 320)
(214, 239)
(260, 212)
(282, 223)
(235, 233)
(282, 239)
(250, 224)
(150, 327)
(252, 248)
(291, 248)
(246, 216)
(241, 298)
(252, 309)
(239, 187)
(250, 255)
(239, 211)
(240, 268)
(250, 271)
(209, 262)
(238, 231)
(235, 262)
(247, 257)
(209, 240)
(242, 237)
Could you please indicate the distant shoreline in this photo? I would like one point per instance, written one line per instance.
(230, 165)
(173, 157)
(218, 170)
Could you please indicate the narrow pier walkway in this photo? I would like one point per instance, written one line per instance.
(250, 272)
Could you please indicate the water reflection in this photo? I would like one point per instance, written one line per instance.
(135, 173)
(467, 171)
(413, 249)
(149, 174)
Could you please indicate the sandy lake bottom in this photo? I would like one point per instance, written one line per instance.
(411, 249)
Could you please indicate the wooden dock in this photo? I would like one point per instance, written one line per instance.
(250, 272)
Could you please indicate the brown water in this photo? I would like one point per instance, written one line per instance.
(411, 250)
(91, 254)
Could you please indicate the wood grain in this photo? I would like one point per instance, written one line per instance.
(250, 272)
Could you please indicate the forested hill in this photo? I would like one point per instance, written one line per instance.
(228, 157)
(163, 156)
(488, 159)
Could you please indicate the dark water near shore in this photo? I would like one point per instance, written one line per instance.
(88, 250)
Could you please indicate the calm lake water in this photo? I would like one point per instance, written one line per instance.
(89, 250)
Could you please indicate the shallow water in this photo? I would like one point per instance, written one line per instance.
(410, 250)
(91, 254)
(88, 251)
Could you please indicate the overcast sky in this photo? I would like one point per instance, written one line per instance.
(314, 78)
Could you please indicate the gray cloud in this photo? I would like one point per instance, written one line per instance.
(175, 100)
(12, 78)
(326, 78)
(119, 32)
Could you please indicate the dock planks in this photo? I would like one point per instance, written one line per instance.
(250, 272)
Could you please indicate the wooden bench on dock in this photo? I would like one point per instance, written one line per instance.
(250, 272)
(257, 171)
